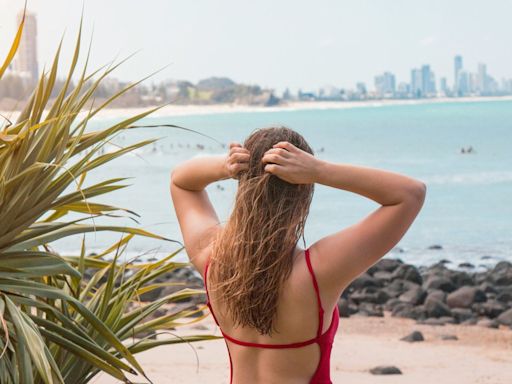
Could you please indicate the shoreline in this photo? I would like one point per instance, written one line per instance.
(195, 110)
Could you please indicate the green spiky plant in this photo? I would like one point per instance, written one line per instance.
(55, 325)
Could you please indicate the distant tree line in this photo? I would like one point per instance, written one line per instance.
(213, 90)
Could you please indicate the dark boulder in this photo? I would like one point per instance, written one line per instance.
(504, 297)
(386, 265)
(363, 281)
(399, 286)
(369, 309)
(466, 265)
(413, 337)
(383, 276)
(436, 308)
(449, 337)
(403, 310)
(442, 283)
(506, 318)
(436, 294)
(489, 323)
(491, 308)
(407, 272)
(370, 295)
(462, 314)
(501, 274)
(471, 321)
(431, 321)
(487, 287)
(414, 296)
(464, 297)
(461, 279)
(385, 370)
(343, 307)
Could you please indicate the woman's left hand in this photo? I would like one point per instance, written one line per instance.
(237, 160)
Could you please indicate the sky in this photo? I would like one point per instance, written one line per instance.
(277, 43)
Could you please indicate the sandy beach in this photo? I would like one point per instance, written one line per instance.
(187, 110)
(479, 356)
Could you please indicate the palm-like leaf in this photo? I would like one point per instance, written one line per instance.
(55, 325)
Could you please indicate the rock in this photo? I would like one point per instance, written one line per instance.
(435, 247)
(370, 295)
(462, 314)
(403, 310)
(436, 294)
(491, 309)
(506, 318)
(487, 288)
(488, 323)
(386, 265)
(413, 337)
(363, 281)
(383, 276)
(432, 321)
(466, 265)
(385, 370)
(504, 297)
(392, 303)
(436, 308)
(369, 309)
(442, 283)
(449, 337)
(501, 274)
(399, 286)
(471, 321)
(464, 297)
(414, 296)
(461, 279)
(407, 272)
(448, 320)
(343, 307)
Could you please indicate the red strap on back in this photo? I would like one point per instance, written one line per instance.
(275, 346)
(317, 291)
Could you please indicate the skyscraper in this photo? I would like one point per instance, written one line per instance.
(416, 83)
(457, 66)
(385, 84)
(25, 62)
(482, 78)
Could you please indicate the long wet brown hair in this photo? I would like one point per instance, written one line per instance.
(254, 253)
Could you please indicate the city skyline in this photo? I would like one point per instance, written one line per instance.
(342, 42)
(422, 82)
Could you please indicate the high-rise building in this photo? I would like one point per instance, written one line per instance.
(416, 83)
(457, 66)
(443, 85)
(482, 78)
(385, 84)
(428, 84)
(25, 61)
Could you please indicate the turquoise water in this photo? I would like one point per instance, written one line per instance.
(468, 208)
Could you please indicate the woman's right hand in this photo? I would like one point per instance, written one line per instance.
(291, 164)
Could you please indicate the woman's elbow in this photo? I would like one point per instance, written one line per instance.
(418, 192)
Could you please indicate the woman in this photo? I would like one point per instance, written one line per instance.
(275, 303)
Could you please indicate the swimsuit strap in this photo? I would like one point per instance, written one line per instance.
(274, 346)
(317, 291)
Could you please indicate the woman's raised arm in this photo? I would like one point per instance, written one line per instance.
(196, 216)
(342, 256)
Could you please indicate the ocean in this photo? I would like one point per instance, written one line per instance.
(468, 207)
